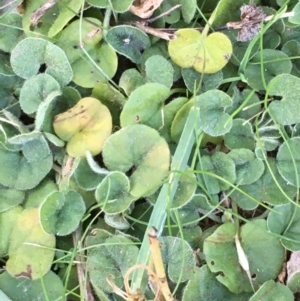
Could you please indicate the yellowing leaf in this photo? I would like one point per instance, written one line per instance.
(31, 249)
(206, 54)
(85, 126)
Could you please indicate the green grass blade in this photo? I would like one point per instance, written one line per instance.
(158, 217)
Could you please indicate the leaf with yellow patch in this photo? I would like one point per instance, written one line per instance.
(207, 54)
(86, 126)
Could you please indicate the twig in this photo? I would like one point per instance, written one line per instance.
(38, 13)
(163, 14)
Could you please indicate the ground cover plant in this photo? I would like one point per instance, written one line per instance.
(149, 150)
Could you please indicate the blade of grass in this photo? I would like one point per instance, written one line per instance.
(158, 217)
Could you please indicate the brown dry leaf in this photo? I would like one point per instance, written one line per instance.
(293, 265)
(145, 8)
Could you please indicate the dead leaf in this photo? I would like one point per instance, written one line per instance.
(145, 8)
(293, 265)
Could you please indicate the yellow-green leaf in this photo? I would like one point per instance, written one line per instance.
(86, 126)
(31, 249)
(207, 54)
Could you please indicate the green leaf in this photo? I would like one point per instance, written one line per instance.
(29, 54)
(29, 238)
(205, 54)
(178, 257)
(240, 136)
(10, 198)
(188, 10)
(192, 79)
(222, 258)
(285, 221)
(50, 287)
(85, 177)
(275, 62)
(292, 49)
(85, 126)
(116, 5)
(265, 190)
(9, 85)
(218, 164)
(213, 119)
(53, 19)
(109, 256)
(179, 120)
(112, 98)
(38, 195)
(9, 31)
(5, 65)
(186, 188)
(159, 70)
(113, 194)
(25, 169)
(204, 286)
(285, 110)
(248, 168)
(61, 212)
(98, 63)
(7, 223)
(295, 19)
(117, 221)
(128, 41)
(143, 103)
(35, 90)
(288, 160)
(49, 108)
(245, 98)
(272, 290)
(130, 80)
(141, 148)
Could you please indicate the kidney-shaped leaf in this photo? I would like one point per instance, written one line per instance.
(25, 169)
(10, 198)
(141, 149)
(50, 287)
(288, 160)
(7, 223)
(143, 103)
(240, 135)
(61, 212)
(275, 62)
(285, 221)
(113, 193)
(204, 286)
(264, 189)
(27, 239)
(286, 110)
(272, 290)
(248, 168)
(159, 70)
(98, 62)
(28, 56)
(214, 121)
(295, 19)
(85, 126)
(35, 90)
(179, 258)
(218, 164)
(258, 244)
(108, 256)
(206, 54)
(85, 177)
(128, 41)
